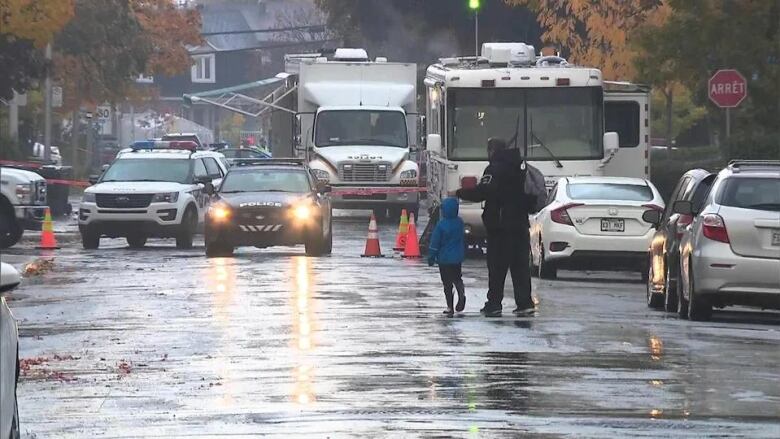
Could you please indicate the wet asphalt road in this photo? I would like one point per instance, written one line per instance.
(166, 343)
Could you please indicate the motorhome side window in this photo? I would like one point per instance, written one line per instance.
(623, 118)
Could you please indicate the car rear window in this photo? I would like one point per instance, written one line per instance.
(751, 193)
(609, 191)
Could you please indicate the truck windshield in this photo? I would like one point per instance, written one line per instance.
(360, 127)
(266, 181)
(568, 121)
(172, 170)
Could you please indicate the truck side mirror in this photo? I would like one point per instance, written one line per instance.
(434, 144)
(93, 179)
(611, 143)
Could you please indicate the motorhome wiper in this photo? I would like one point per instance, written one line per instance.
(534, 138)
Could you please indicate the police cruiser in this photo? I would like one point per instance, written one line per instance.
(152, 189)
(268, 202)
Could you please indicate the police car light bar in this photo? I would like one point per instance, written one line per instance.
(186, 145)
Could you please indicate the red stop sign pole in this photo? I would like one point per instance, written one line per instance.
(727, 89)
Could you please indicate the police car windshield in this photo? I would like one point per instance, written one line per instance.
(266, 180)
(361, 127)
(172, 170)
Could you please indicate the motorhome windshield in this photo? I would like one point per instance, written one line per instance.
(360, 127)
(567, 121)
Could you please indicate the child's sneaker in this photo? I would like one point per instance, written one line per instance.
(461, 303)
(527, 311)
(448, 312)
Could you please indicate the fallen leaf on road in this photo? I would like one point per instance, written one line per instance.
(38, 267)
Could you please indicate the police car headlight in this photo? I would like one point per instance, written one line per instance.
(321, 175)
(168, 197)
(219, 212)
(89, 197)
(302, 212)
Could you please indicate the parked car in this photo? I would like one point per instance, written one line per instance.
(9, 356)
(730, 254)
(267, 203)
(663, 256)
(153, 189)
(594, 223)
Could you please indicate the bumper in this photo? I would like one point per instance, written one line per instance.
(157, 220)
(235, 235)
(30, 217)
(353, 197)
(569, 248)
(736, 280)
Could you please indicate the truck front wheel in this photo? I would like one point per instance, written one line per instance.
(10, 231)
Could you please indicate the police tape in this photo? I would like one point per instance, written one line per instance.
(32, 165)
(76, 183)
(378, 190)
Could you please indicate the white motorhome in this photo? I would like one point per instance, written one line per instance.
(353, 118)
(555, 109)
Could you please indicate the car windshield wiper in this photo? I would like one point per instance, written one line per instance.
(541, 144)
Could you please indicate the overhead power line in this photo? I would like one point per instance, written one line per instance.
(312, 28)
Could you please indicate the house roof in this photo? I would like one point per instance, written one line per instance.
(219, 18)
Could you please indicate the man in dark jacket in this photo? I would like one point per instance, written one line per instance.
(505, 216)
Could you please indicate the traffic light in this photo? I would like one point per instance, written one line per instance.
(474, 5)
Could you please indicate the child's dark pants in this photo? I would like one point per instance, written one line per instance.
(451, 276)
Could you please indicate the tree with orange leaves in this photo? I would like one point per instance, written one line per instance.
(171, 30)
(596, 33)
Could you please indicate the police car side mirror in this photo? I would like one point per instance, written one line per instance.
(434, 144)
(203, 180)
(93, 179)
(209, 188)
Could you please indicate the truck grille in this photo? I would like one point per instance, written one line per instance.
(123, 201)
(367, 172)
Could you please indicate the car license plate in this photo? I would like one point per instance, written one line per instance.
(776, 237)
(613, 225)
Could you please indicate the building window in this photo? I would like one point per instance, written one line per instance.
(204, 69)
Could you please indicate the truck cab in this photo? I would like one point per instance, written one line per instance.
(23, 196)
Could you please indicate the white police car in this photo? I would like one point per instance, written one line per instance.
(152, 189)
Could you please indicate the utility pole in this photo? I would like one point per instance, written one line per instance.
(474, 6)
(47, 108)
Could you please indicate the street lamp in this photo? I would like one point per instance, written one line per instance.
(474, 6)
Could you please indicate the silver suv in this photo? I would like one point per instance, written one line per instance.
(730, 254)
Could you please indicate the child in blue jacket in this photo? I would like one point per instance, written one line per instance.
(447, 249)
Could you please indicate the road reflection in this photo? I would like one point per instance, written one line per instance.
(220, 280)
(303, 321)
(656, 348)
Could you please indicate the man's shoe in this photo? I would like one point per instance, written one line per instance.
(491, 312)
(461, 303)
(527, 311)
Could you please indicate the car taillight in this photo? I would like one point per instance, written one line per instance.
(468, 182)
(682, 222)
(714, 228)
(561, 214)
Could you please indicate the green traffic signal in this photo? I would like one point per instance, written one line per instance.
(474, 4)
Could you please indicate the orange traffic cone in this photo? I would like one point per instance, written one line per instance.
(412, 249)
(48, 241)
(403, 230)
(372, 242)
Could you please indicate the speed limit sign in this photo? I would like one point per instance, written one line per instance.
(103, 112)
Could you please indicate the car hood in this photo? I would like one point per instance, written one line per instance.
(144, 187)
(371, 153)
(261, 199)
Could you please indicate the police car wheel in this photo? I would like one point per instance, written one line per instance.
(90, 239)
(10, 232)
(315, 245)
(187, 229)
(136, 241)
(328, 249)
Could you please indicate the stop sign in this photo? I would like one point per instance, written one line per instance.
(727, 88)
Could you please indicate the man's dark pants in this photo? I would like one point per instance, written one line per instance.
(508, 251)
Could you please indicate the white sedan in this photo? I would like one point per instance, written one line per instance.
(594, 223)
(9, 356)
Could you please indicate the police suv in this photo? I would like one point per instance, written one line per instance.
(152, 189)
(267, 202)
